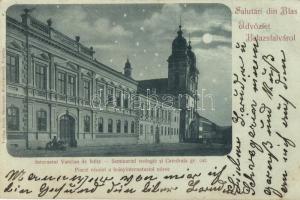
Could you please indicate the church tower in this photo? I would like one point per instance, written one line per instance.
(183, 81)
(178, 64)
(127, 69)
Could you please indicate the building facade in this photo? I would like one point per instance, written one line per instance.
(56, 88)
(181, 85)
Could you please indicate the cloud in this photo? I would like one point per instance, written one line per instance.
(74, 20)
(165, 20)
(211, 20)
(101, 29)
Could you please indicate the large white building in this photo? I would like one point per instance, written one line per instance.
(56, 88)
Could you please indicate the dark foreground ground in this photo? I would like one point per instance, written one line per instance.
(180, 149)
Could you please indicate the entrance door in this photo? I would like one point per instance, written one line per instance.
(67, 130)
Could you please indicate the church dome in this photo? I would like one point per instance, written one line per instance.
(179, 43)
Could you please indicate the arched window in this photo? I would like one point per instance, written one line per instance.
(13, 118)
(110, 126)
(100, 124)
(118, 126)
(41, 120)
(125, 126)
(132, 127)
(152, 113)
(87, 125)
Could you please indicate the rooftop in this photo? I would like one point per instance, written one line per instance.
(158, 86)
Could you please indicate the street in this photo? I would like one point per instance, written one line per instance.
(178, 149)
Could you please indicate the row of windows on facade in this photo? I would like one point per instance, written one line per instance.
(160, 114)
(66, 83)
(13, 122)
(163, 130)
(110, 125)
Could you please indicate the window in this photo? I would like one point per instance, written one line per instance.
(126, 100)
(110, 96)
(71, 86)
(100, 92)
(118, 97)
(125, 126)
(61, 83)
(12, 68)
(152, 113)
(165, 130)
(110, 126)
(132, 127)
(41, 120)
(40, 76)
(13, 118)
(100, 124)
(142, 110)
(161, 130)
(87, 120)
(118, 126)
(151, 129)
(86, 89)
(141, 129)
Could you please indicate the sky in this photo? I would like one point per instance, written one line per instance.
(144, 33)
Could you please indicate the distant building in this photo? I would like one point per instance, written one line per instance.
(56, 88)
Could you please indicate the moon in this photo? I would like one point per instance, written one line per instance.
(207, 38)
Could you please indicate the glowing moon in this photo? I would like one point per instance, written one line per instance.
(207, 38)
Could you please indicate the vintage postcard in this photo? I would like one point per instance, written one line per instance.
(150, 100)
